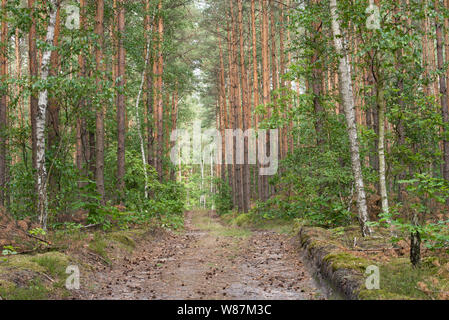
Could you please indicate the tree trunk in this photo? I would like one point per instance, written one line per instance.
(245, 112)
(33, 70)
(53, 112)
(257, 181)
(381, 144)
(160, 100)
(3, 102)
(284, 131)
(149, 87)
(443, 92)
(82, 137)
(231, 168)
(290, 105)
(317, 82)
(348, 103)
(174, 123)
(41, 121)
(121, 102)
(223, 108)
(237, 111)
(99, 122)
(266, 84)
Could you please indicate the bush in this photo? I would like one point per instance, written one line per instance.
(223, 197)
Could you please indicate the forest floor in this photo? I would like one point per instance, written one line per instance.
(207, 260)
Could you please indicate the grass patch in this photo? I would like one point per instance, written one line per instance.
(55, 263)
(26, 277)
(99, 245)
(20, 262)
(123, 238)
(400, 280)
(235, 233)
(205, 222)
(252, 221)
(35, 290)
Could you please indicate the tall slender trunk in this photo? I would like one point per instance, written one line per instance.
(317, 81)
(348, 103)
(82, 137)
(443, 91)
(121, 117)
(446, 42)
(223, 107)
(41, 121)
(3, 102)
(53, 111)
(33, 71)
(381, 103)
(232, 124)
(159, 89)
(237, 110)
(238, 124)
(257, 181)
(139, 123)
(149, 87)
(284, 131)
(174, 122)
(400, 125)
(245, 111)
(290, 104)
(20, 114)
(99, 122)
(274, 63)
(266, 85)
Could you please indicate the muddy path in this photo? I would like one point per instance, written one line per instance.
(208, 261)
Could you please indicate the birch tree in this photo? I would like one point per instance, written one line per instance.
(41, 118)
(348, 104)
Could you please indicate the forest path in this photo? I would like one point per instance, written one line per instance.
(210, 261)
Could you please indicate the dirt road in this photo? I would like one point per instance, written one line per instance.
(209, 261)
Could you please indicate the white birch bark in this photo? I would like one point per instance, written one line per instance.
(139, 129)
(348, 103)
(41, 121)
(381, 151)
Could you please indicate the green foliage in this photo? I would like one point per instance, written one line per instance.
(9, 250)
(318, 174)
(37, 232)
(223, 197)
(422, 190)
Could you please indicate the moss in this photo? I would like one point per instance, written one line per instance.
(343, 260)
(23, 262)
(99, 245)
(55, 263)
(399, 280)
(124, 238)
(16, 287)
(35, 290)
